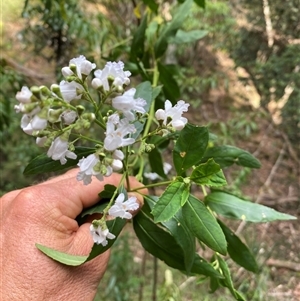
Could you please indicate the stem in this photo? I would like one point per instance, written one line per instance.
(152, 185)
(151, 112)
(87, 138)
(100, 122)
(204, 190)
(125, 165)
(105, 211)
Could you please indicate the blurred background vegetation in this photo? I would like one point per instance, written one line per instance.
(242, 79)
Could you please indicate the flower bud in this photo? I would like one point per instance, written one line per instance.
(54, 115)
(101, 156)
(80, 109)
(45, 91)
(68, 117)
(66, 71)
(117, 165)
(103, 169)
(118, 154)
(110, 80)
(97, 83)
(160, 114)
(24, 96)
(149, 147)
(35, 91)
(73, 68)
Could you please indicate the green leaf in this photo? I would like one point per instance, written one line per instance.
(144, 90)
(156, 162)
(170, 86)
(179, 230)
(170, 29)
(151, 4)
(214, 284)
(98, 208)
(156, 91)
(61, 257)
(162, 245)
(200, 3)
(107, 192)
(238, 251)
(42, 163)
(227, 282)
(189, 147)
(138, 41)
(209, 174)
(170, 201)
(227, 155)
(115, 226)
(187, 36)
(233, 207)
(204, 225)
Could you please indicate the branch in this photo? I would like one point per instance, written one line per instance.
(25, 71)
(284, 264)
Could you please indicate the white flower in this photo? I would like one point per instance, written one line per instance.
(87, 170)
(173, 115)
(154, 176)
(167, 167)
(70, 91)
(126, 103)
(68, 117)
(101, 234)
(113, 71)
(59, 151)
(121, 208)
(116, 130)
(40, 141)
(24, 95)
(29, 124)
(83, 66)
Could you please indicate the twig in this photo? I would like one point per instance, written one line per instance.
(25, 71)
(184, 284)
(143, 270)
(284, 264)
(275, 167)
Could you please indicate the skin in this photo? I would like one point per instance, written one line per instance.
(45, 214)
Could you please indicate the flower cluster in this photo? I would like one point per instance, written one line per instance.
(121, 209)
(58, 118)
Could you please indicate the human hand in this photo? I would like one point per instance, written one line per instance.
(45, 214)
